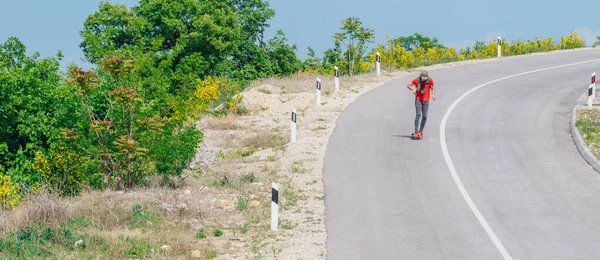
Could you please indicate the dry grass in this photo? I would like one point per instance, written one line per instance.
(100, 207)
(229, 173)
(265, 139)
(113, 217)
(222, 124)
(42, 208)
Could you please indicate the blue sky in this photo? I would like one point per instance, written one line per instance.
(47, 26)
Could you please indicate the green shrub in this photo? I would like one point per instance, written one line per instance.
(200, 234)
(242, 203)
(210, 254)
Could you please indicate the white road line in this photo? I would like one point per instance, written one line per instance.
(450, 164)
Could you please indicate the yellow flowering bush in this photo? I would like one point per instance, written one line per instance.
(207, 91)
(36, 188)
(365, 66)
(572, 41)
(317, 70)
(214, 91)
(489, 51)
(9, 193)
(61, 170)
(394, 55)
(234, 105)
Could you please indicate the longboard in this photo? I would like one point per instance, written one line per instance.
(412, 136)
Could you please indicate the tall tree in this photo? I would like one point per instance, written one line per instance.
(354, 37)
(282, 55)
(185, 39)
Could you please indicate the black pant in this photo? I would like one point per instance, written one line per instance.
(421, 107)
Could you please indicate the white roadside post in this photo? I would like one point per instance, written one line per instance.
(294, 124)
(318, 92)
(499, 42)
(274, 206)
(378, 58)
(336, 75)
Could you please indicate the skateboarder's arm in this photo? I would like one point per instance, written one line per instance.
(410, 86)
(432, 92)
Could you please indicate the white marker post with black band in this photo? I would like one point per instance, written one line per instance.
(294, 127)
(378, 61)
(318, 91)
(336, 75)
(499, 42)
(274, 206)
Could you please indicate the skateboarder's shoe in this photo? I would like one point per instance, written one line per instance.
(420, 135)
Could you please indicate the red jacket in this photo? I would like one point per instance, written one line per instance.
(425, 93)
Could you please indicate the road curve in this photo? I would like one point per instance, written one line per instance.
(389, 197)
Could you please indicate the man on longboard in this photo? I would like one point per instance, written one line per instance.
(423, 88)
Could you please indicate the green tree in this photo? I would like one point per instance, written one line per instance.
(33, 106)
(333, 55)
(185, 40)
(354, 37)
(417, 40)
(312, 61)
(282, 55)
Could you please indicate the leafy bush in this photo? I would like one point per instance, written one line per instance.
(62, 170)
(33, 106)
(129, 132)
(9, 193)
(217, 232)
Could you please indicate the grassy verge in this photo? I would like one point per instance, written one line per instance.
(49, 227)
(588, 124)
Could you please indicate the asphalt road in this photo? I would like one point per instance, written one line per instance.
(390, 197)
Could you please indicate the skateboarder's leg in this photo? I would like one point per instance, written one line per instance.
(425, 108)
(419, 110)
